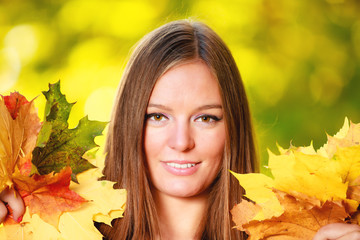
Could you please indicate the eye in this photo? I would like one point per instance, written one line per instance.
(157, 117)
(207, 118)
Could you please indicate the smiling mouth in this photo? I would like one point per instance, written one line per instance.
(181, 166)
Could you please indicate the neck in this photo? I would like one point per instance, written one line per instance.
(180, 218)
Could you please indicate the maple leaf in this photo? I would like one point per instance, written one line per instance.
(312, 175)
(48, 195)
(54, 208)
(19, 126)
(105, 204)
(259, 189)
(31, 228)
(313, 188)
(354, 190)
(348, 163)
(58, 146)
(14, 103)
(349, 135)
(25, 165)
(299, 221)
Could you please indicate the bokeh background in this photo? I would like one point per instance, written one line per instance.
(299, 59)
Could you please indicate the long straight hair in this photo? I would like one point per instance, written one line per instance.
(163, 48)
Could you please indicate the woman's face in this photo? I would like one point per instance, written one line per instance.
(185, 131)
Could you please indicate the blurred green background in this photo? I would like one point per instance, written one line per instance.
(299, 59)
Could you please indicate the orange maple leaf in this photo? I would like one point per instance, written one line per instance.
(299, 220)
(48, 195)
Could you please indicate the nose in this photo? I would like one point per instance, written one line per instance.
(181, 137)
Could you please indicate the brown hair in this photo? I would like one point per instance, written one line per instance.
(157, 52)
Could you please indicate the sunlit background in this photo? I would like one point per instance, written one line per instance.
(299, 59)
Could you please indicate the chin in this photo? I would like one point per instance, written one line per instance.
(183, 190)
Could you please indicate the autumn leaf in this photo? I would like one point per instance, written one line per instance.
(14, 102)
(354, 190)
(55, 206)
(31, 228)
(348, 163)
(103, 205)
(348, 136)
(259, 189)
(58, 146)
(312, 175)
(312, 188)
(299, 220)
(48, 195)
(24, 165)
(19, 127)
(8, 161)
(244, 212)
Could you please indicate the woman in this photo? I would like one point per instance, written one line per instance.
(180, 122)
(155, 125)
(179, 46)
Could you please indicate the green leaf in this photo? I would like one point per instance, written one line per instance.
(44, 134)
(57, 109)
(58, 146)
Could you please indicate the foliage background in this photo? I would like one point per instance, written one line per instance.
(299, 59)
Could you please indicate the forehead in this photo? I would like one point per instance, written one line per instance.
(193, 80)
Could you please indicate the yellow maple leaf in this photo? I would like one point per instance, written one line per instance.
(18, 134)
(31, 228)
(259, 189)
(348, 163)
(299, 172)
(349, 135)
(314, 188)
(103, 200)
(7, 163)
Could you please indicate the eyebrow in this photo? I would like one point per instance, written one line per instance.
(204, 107)
(209, 106)
(159, 106)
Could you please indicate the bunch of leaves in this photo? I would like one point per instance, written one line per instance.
(309, 189)
(39, 160)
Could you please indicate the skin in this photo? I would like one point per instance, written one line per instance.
(188, 129)
(15, 202)
(338, 231)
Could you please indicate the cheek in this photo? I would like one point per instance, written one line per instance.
(213, 145)
(154, 141)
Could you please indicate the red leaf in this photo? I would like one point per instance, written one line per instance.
(14, 102)
(48, 195)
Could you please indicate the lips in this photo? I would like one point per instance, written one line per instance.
(181, 168)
